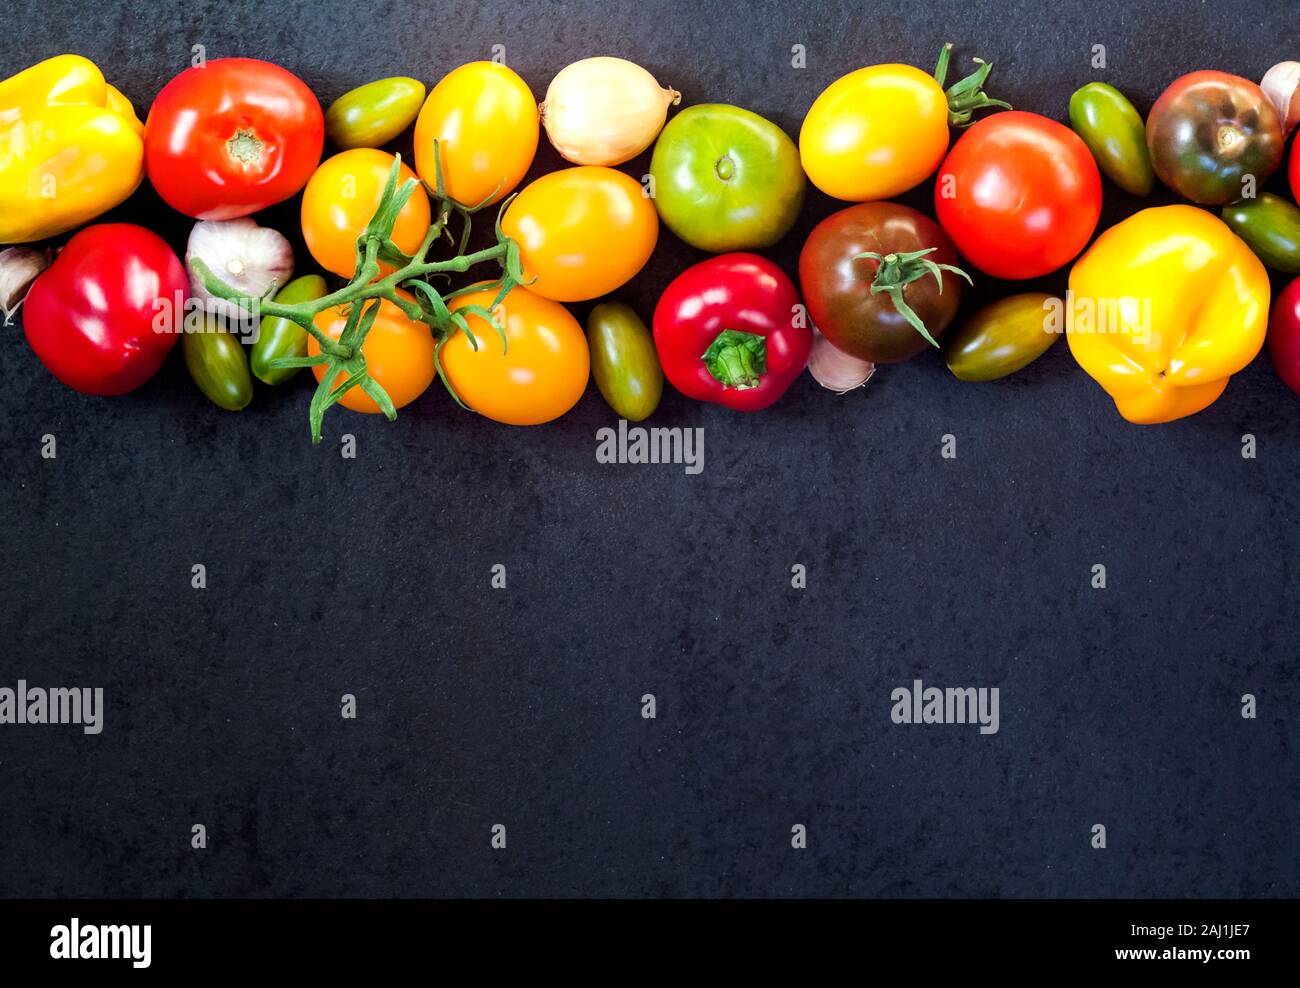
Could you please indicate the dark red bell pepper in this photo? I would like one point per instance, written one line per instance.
(730, 330)
(106, 313)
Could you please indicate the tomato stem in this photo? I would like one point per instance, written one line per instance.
(894, 272)
(967, 94)
(408, 286)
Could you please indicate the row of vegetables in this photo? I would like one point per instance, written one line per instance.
(1161, 310)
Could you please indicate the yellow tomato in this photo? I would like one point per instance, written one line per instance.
(398, 352)
(538, 376)
(341, 198)
(582, 232)
(875, 133)
(484, 118)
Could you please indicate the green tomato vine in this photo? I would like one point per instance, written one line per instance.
(343, 359)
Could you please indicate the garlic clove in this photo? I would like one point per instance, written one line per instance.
(1281, 84)
(19, 267)
(255, 260)
(836, 370)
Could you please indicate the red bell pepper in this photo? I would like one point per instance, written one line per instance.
(730, 330)
(91, 315)
(1284, 335)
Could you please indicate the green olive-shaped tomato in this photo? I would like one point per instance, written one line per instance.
(624, 361)
(282, 337)
(217, 363)
(1003, 337)
(372, 115)
(726, 179)
(1115, 134)
(1270, 225)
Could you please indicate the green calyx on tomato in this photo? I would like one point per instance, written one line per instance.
(966, 96)
(726, 179)
(737, 359)
(1271, 228)
(1115, 134)
(894, 272)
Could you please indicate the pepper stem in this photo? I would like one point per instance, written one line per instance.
(896, 271)
(966, 95)
(737, 359)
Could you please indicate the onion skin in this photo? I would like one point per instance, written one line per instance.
(604, 110)
(1281, 84)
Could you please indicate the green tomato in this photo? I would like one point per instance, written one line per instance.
(1115, 134)
(624, 361)
(1001, 338)
(372, 115)
(1271, 228)
(282, 337)
(217, 363)
(726, 179)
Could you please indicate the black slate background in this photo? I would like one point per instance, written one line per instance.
(521, 707)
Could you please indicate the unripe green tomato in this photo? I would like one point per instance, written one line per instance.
(282, 337)
(1002, 337)
(217, 363)
(1270, 225)
(372, 115)
(1115, 134)
(726, 179)
(624, 361)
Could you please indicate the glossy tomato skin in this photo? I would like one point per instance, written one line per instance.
(1284, 336)
(837, 286)
(1208, 131)
(91, 316)
(875, 133)
(536, 377)
(726, 179)
(232, 137)
(1019, 194)
(484, 120)
(582, 231)
(340, 200)
(398, 352)
(1294, 172)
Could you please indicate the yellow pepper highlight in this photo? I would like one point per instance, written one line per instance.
(71, 148)
(1164, 308)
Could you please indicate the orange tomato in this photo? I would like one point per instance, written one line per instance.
(339, 201)
(484, 118)
(398, 352)
(582, 232)
(538, 376)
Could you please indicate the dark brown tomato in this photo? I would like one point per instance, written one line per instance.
(837, 286)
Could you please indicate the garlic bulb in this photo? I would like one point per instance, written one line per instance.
(836, 370)
(19, 267)
(1281, 85)
(605, 111)
(254, 259)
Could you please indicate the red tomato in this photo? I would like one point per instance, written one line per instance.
(1019, 194)
(104, 316)
(232, 137)
(1294, 172)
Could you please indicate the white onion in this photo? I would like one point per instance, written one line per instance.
(605, 111)
(253, 259)
(836, 370)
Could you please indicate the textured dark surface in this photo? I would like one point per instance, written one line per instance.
(521, 707)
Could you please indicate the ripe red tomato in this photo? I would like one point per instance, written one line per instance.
(104, 316)
(1019, 194)
(1294, 171)
(232, 137)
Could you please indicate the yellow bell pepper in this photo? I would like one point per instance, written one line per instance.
(1164, 308)
(71, 148)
